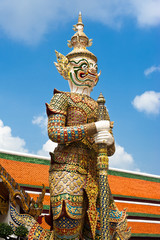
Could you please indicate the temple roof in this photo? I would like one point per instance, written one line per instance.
(138, 192)
(11, 190)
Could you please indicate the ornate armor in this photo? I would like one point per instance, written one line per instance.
(73, 176)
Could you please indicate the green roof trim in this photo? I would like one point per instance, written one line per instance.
(132, 175)
(32, 186)
(46, 207)
(24, 159)
(134, 197)
(143, 215)
(144, 235)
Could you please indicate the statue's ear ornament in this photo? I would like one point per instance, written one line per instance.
(90, 42)
(99, 73)
(62, 65)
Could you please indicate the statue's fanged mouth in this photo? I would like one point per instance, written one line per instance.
(82, 75)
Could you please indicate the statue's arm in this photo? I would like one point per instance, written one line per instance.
(58, 132)
(57, 129)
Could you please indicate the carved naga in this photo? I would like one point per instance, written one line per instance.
(75, 123)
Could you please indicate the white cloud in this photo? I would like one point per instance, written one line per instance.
(9, 142)
(152, 69)
(49, 146)
(123, 160)
(148, 102)
(41, 121)
(146, 12)
(29, 21)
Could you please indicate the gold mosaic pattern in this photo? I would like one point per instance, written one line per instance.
(92, 193)
(73, 156)
(58, 104)
(73, 205)
(70, 228)
(66, 182)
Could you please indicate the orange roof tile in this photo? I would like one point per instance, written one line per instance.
(138, 208)
(37, 174)
(44, 225)
(27, 173)
(134, 187)
(141, 227)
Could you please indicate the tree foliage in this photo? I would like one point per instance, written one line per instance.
(5, 230)
(21, 231)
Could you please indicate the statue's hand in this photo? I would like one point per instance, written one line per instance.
(104, 137)
(102, 125)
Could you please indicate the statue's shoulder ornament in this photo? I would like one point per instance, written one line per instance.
(58, 103)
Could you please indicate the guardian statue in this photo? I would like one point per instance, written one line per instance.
(81, 201)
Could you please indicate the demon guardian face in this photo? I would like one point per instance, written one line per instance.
(79, 66)
(83, 72)
(79, 71)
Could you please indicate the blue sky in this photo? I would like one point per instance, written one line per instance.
(126, 42)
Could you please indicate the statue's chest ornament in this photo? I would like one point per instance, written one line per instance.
(85, 100)
(76, 116)
(81, 109)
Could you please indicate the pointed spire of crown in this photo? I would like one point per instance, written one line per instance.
(80, 19)
(80, 41)
(79, 26)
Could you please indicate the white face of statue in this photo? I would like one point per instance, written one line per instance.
(83, 75)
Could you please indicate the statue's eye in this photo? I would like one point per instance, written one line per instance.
(96, 67)
(84, 66)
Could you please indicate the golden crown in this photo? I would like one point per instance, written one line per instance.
(79, 42)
